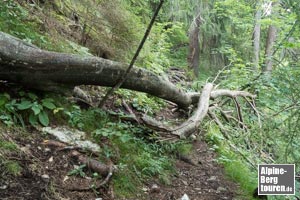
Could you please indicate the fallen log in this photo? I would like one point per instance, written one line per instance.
(32, 67)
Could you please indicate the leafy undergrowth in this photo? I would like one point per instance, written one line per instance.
(236, 168)
(129, 146)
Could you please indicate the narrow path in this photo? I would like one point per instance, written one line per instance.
(205, 181)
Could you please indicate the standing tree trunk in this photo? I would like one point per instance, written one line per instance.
(256, 38)
(269, 48)
(194, 46)
(271, 38)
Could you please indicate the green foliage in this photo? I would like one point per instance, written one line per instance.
(78, 171)
(141, 101)
(139, 161)
(116, 130)
(15, 20)
(87, 120)
(28, 106)
(279, 96)
(9, 167)
(235, 167)
(137, 158)
(7, 146)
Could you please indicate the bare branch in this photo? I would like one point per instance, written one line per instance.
(230, 93)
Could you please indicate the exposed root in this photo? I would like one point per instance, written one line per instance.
(132, 114)
(92, 164)
(204, 108)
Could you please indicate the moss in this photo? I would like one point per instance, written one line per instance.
(9, 146)
(12, 167)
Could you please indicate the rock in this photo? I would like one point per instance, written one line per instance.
(221, 189)
(212, 178)
(185, 183)
(155, 189)
(98, 199)
(46, 177)
(51, 159)
(47, 150)
(185, 197)
(193, 137)
(72, 137)
(3, 187)
(144, 189)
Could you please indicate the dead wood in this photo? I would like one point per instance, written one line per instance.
(192, 124)
(92, 164)
(32, 67)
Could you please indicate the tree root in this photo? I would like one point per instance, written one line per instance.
(106, 170)
(191, 125)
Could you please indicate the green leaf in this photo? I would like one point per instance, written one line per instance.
(32, 96)
(43, 118)
(48, 105)
(22, 93)
(33, 119)
(3, 100)
(36, 109)
(24, 105)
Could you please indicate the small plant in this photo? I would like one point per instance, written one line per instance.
(78, 171)
(14, 110)
(85, 119)
(113, 130)
(10, 167)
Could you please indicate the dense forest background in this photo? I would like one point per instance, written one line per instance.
(238, 45)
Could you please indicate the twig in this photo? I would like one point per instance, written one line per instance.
(294, 105)
(252, 105)
(220, 72)
(131, 112)
(124, 76)
(226, 135)
(218, 122)
(239, 113)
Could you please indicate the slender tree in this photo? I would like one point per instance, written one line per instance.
(256, 36)
(271, 38)
(194, 46)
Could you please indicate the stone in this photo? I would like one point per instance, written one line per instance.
(212, 178)
(155, 189)
(185, 197)
(45, 177)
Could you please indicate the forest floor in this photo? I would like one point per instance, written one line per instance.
(44, 175)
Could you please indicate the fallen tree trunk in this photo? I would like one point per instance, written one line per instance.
(28, 65)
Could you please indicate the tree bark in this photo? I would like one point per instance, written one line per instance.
(30, 66)
(256, 37)
(271, 38)
(194, 46)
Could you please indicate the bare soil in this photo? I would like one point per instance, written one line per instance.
(44, 176)
(203, 181)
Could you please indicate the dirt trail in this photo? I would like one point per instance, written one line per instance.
(203, 181)
(45, 169)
